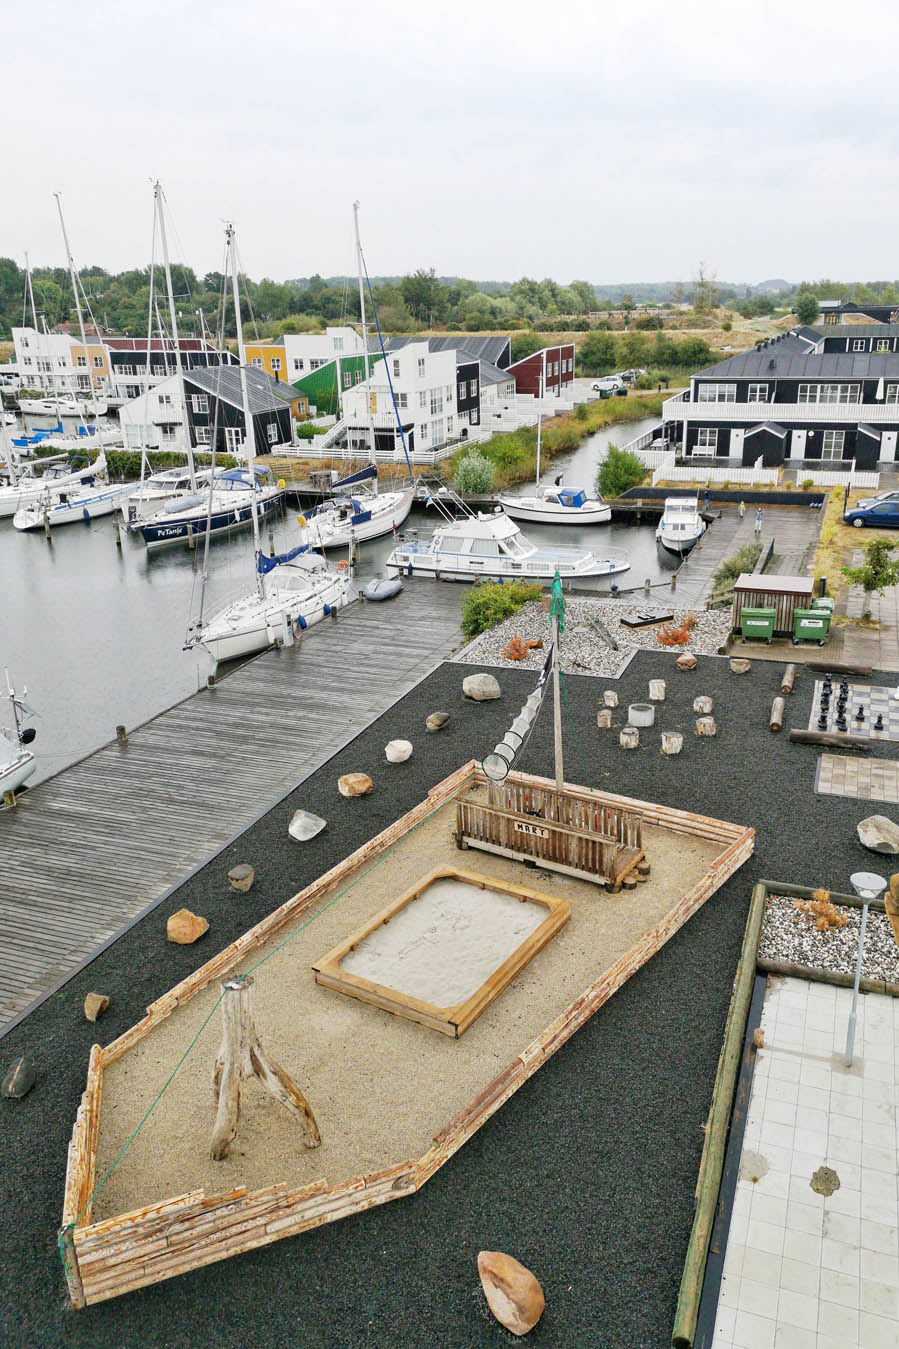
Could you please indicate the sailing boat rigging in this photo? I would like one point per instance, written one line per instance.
(293, 590)
(16, 762)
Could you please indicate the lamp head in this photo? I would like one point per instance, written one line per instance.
(866, 884)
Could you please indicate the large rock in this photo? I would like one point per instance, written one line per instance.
(354, 784)
(19, 1079)
(241, 877)
(305, 825)
(95, 1004)
(686, 662)
(879, 834)
(513, 1293)
(185, 927)
(436, 721)
(398, 751)
(481, 687)
(739, 665)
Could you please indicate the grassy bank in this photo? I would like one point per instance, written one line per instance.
(836, 540)
(514, 455)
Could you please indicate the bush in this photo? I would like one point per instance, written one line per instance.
(308, 431)
(474, 474)
(486, 605)
(726, 326)
(727, 574)
(620, 471)
(581, 412)
(807, 484)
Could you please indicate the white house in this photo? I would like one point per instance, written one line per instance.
(305, 352)
(45, 360)
(155, 420)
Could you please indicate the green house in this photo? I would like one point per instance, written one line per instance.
(321, 385)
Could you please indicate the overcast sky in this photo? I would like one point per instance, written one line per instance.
(575, 140)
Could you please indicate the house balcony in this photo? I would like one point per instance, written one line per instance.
(679, 408)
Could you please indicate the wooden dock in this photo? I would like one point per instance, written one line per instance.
(88, 850)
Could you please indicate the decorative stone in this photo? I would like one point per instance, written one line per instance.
(610, 698)
(739, 665)
(436, 721)
(604, 718)
(398, 751)
(185, 927)
(706, 726)
(354, 784)
(513, 1293)
(672, 742)
(686, 662)
(305, 825)
(241, 877)
(629, 737)
(703, 704)
(879, 834)
(19, 1079)
(481, 688)
(824, 1181)
(758, 1038)
(641, 714)
(95, 1004)
(657, 690)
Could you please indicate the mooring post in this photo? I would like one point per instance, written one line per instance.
(271, 541)
(117, 535)
(46, 526)
(9, 800)
(121, 735)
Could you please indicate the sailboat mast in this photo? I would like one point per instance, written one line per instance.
(371, 425)
(249, 428)
(159, 198)
(74, 275)
(30, 290)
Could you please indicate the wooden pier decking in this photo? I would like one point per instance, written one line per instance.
(88, 850)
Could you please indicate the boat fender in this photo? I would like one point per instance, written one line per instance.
(85, 512)
(342, 565)
(409, 569)
(282, 484)
(327, 610)
(237, 516)
(301, 622)
(301, 520)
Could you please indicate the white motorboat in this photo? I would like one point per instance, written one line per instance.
(230, 507)
(167, 484)
(86, 435)
(558, 506)
(55, 406)
(681, 525)
(358, 515)
(26, 486)
(300, 590)
(16, 762)
(492, 547)
(71, 505)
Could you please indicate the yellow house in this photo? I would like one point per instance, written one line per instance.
(91, 360)
(268, 356)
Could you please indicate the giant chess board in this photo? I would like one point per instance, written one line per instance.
(869, 699)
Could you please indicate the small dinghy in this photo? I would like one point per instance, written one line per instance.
(382, 588)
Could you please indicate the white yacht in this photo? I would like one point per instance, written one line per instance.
(300, 590)
(358, 515)
(230, 507)
(558, 505)
(681, 525)
(167, 484)
(55, 406)
(26, 486)
(493, 547)
(71, 504)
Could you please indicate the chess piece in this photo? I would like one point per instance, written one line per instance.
(822, 723)
(859, 713)
(878, 725)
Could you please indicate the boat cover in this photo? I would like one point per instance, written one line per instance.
(571, 496)
(266, 564)
(363, 475)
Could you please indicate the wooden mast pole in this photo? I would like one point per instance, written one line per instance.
(557, 707)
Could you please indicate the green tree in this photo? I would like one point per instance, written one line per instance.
(586, 296)
(807, 308)
(525, 344)
(634, 350)
(473, 474)
(620, 471)
(424, 296)
(704, 295)
(597, 353)
(878, 570)
(694, 352)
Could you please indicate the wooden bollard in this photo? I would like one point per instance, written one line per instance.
(657, 690)
(117, 535)
(706, 726)
(776, 720)
(629, 737)
(672, 742)
(121, 735)
(210, 681)
(604, 718)
(789, 679)
(610, 698)
(9, 800)
(703, 704)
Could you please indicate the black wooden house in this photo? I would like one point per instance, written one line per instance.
(214, 406)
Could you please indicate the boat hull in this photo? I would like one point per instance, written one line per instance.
(284, 618)
(679, 547)
(17, 771)
(538, 514)
(444, 568)
(34, 516)
(374, 528)
(163, 534)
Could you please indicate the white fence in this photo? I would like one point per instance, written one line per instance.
(744, 477)
(837, 479)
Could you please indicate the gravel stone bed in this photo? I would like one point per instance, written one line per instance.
(788, 935)
(584, 650)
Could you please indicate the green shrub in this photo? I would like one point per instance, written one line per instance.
(731, 568)
(308, 430)
(486, 605)
(582, 412)
(474, 474)
(620, 471)
(807, 484)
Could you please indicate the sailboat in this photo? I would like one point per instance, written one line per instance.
(26, 485)
(69, 505)
(16, 762)
(293, 590)
(97, 409)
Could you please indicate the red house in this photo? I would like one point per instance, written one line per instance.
(546, 371)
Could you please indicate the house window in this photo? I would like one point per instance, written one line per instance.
(132, 391)
(199, 402)
(164, 399)
(167, 432)
(462, 389)
(316, 365)
(758, 393)
(707, 440)
(883, 344)
(437, 432)
(234, 438)
(84, 381)
(347, 378)
(396, 370)
(272, 430)
(358, 376)
(859, 344)
(338, 344)
(257, 361)
(125, 370)
(473, 417)
(204, 435)
(422, 398)
(829, 393)
(276, 362)
(449, 393)
(424, 431)
(297, 363)
(402, 400)
(82, 361)
(717, 393)
(832, 444)
(436, 401)
(449, 427)
(158, 369)
(473, 388)
(98, 362)
(892, 393)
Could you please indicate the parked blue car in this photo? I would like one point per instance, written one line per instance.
(882, 510)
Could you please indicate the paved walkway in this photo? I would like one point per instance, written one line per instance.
(806, 1270)
(793, 529)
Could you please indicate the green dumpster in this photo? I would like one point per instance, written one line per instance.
(825, 602)
(811, 625)
(757, 625)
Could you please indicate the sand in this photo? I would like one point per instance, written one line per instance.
(380, 1086)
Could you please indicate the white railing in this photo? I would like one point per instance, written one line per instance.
(746, 477)
(834, 478)
(313, 449)
(679, 409)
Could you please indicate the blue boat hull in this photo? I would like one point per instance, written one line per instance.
(161, 533)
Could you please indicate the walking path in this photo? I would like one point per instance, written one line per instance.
(86, 851)
(794, 530)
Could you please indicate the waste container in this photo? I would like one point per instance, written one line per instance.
(811, 625)
(757, 625)
(825, 602)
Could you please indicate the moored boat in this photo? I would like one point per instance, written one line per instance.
(67, 507)
(558, 505)
(681, 525)
(231, 507)
(26, 486)
(358, 515)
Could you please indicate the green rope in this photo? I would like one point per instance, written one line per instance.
(66, 1232)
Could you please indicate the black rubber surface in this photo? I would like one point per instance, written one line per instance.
(586, 1175)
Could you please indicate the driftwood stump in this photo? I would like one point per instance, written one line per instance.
(629, 737)
(242, 1056)
(703, 704)
(776, 719)
(672, 742)
(788, 680)
(656, 690)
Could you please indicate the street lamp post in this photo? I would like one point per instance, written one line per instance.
(867, 886)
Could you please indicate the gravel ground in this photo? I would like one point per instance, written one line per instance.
(584, 649)
(587, 1174)
(788, 935)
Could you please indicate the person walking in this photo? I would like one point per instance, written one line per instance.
(707, 501)
(742, 509)
(758, 521)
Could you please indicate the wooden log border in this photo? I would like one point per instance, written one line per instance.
(131, 1250)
